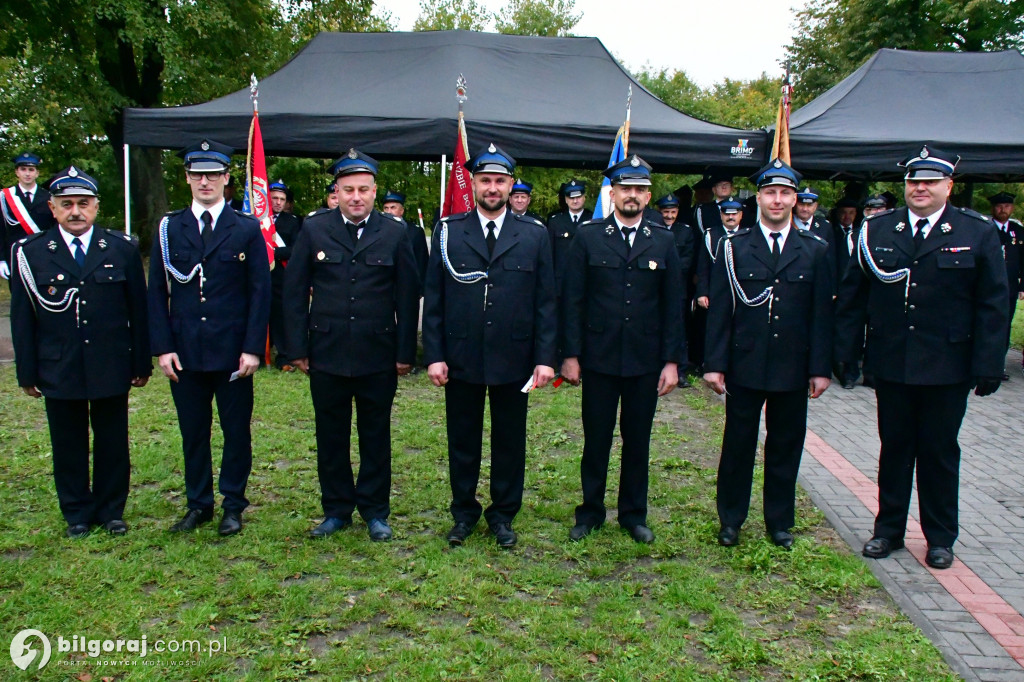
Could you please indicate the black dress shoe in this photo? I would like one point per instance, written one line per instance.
(728, 536)
(684, 382)
(939, 557)
(192, 519)
(879, 548)
(782, 538)
(1006, 376)
(379, 530)
(77, 530)
(641, 533)
(458, 534)
(582, 530)
(849, 383)
(230, 523)
(329, 526)
(116, 527)
(504, 535)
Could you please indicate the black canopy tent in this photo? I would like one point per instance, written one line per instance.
(967, 103)
(546, 101)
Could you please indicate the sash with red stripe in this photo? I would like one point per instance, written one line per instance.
(15, 212)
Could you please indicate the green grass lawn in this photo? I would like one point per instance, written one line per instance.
(1017, 330)
(287, 607)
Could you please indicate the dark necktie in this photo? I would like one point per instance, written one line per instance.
(626, 234)
(492, 238)
(79, 251)
(776, 250)
(353, 230)
(575, 220)
(27, 196)
(919, 235)
(207, 227)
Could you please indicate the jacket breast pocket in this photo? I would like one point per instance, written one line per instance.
(322, 326)
(232, 256)
(752, 274)
(109, 276)
(379, 258)
(602, 262)
(955, 261)
(798, 276)
(651, 264)
(517, 265)
(885, 259)
(326, 257)
(182, 256)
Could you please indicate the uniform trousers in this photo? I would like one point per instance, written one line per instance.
(69, 435)
(602, 396)
(785, 416)
(332, 396)
(193, 394)
(464, 409)
(918, 427)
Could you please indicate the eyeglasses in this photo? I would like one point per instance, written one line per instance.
(210, 176)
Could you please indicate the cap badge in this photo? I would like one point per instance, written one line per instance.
(924, 152)
(492, 149)
(777, 164)
(634, 162)
(352, 154)
(51, 245)
(73, 172)
(900, 226)
(946, 227)
(321, 255)
(205, 146)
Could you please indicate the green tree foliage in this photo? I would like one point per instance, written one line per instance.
(535, 18)
(451, 15)
(834, 37)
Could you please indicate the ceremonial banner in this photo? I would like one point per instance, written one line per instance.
(780, 147)
(603, 208)
(459, 197)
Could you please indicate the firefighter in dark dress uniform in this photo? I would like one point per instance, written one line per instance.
(930, 283)
(1011, 236)
(24, 208)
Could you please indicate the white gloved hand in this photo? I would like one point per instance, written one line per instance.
(5, 271)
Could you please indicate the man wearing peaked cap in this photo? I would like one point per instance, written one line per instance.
(624, 340)
(78, 320)
(24, 207)
(709, 250)
(769, 345)
(286, 226)
(669, 207)
(930, 282)
(209, 306)
(519, 200)
(875, 203)
(805, 215)
(562, 227)
(1011, 236)
(489, 328)
(706, 214)
(352, 293)
(394, 204)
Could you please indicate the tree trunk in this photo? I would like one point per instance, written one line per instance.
(149, 196)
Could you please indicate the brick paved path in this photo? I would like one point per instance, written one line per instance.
(971, 611)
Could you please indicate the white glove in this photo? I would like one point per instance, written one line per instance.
(5, 271)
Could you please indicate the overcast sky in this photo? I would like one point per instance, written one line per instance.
(710, 41)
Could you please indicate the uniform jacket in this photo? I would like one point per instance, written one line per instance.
(210, 332)
(101, 342)
(41, 214)
(621, 306)
(561, 230)
(420, 252)
(949, 324)
(780, 344)
(707, 251)
(365, 305)
(287, 225)
(841, 243)
(516, 331)
(686, 248)
(1012, 241)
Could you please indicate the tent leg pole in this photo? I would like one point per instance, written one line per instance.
(127, 192)
(444, 177)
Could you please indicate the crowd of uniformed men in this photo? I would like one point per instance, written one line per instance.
(766, 299)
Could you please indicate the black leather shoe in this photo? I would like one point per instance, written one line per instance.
(782, 538)
(641, 533)
(192, 519)
(684, 382)
(728, 536)
(849, 383)
(1006, 376)
(458, 534)
(379, 530)
(879, 548)
(116, 527)
(230, 523)
(77, 530)
(582, 530)
(329, 526)
(939, 557)
(504, 535)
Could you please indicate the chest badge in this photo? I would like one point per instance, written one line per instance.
(652, 265)
(60, 278)
(51, 291)
(321, 255)
(241, 256)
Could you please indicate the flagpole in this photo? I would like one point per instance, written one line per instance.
(254, 95)
(625, 134)
(127, 191)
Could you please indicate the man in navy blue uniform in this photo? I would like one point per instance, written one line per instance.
(209, 305)
(686, 247)
(357, 337)
(562, 225)
(286, 226)
(624, 340)
(78, 320)
(489, 328)
(709, 250)
(769, 342)
(931, 286)
(519, 200)
(24, 208)
(1011, 236)
(394, 204)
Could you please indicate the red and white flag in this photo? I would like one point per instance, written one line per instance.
(459, 197)
(257, 189)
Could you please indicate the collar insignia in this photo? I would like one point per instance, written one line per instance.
(647, 231)
(51, 245)
(102, 243)
(609, 230)
(900, 226)
(946, 227)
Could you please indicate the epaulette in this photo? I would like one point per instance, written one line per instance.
(592, 221)
(660, 226)
(974, 214)
(887, 211)
(118, 234)
(454, 216)
(810, 235)
(27, 239)
(391, 216)
(737, 233)
(527, 219)
(174, 213)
